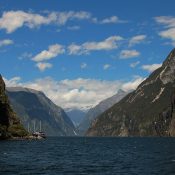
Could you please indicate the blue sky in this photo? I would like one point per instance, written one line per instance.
(106, 43)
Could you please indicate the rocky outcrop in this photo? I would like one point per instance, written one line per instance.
(10, 125)
(147, 111)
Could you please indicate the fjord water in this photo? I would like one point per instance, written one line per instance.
(88, 156)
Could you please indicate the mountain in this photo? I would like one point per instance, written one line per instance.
(76, 115)
(10, 125)
(147, 111)
(33, 106)
(99, 109)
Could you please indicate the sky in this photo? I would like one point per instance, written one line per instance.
(81, 52)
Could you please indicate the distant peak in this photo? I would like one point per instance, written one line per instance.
(168, 68)
(120, 91)
(170, 58)
(17, 89)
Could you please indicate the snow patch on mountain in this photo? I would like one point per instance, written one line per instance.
(158, 96)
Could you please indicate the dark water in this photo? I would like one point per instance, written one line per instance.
(92, 156)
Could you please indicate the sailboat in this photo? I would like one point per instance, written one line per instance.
(40, 133)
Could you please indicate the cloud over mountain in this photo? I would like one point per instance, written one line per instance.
(78, 92)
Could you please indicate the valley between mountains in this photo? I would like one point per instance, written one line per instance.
(147, 111)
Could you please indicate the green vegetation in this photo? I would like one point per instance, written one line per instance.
(10, 125)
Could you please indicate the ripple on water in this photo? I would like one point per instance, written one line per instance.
(91, 156)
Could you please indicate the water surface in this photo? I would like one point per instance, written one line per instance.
(88, 156)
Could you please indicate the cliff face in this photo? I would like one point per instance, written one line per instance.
(147, 111)
(94, 112)
(34, 107)
(9, 123)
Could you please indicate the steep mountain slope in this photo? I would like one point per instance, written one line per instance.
(76, 115)
(148, 111)
(99, 109)
(10, 125)
(33, 106)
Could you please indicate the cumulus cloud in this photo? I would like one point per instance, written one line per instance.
(5, 42)
(85, 48)
(109, 20)
(12, 20)
(76, 93)
(63, 17)
(53, 51)
(112, 19)
(132, 84)
(168, 23)
(133, 65)
(125, 54)
(169, 34)
(83, 65)
(151, 67)
(13, 82)
(43, 66)
(136, 40)
(106, 66)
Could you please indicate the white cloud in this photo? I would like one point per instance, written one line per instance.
(151, 67)
(53, 51)
(169, 34)
(133, 65)
(125, 54)
(132, 84)
(106, 66)
(25, 55)
(83, 66)
(169, 23)
(136, 40)
(109, 20)
(73, 27)
(43, 66)
(112, 19)
(74, 49)
(107, 44)
(76, 93)
(12, 20)
(5, 42)
(13, 82)
(63, 17)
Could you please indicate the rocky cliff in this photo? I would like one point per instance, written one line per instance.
(33, 108)
(10, 125)
(148, 111)
(94, 112)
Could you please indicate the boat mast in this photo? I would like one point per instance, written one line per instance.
(34, 125)
(28, 127)
(40, 125)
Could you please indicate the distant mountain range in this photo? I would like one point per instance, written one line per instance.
(147, 111)
(10, 125)
(33, 106)
(76, 115)
(99, 109)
